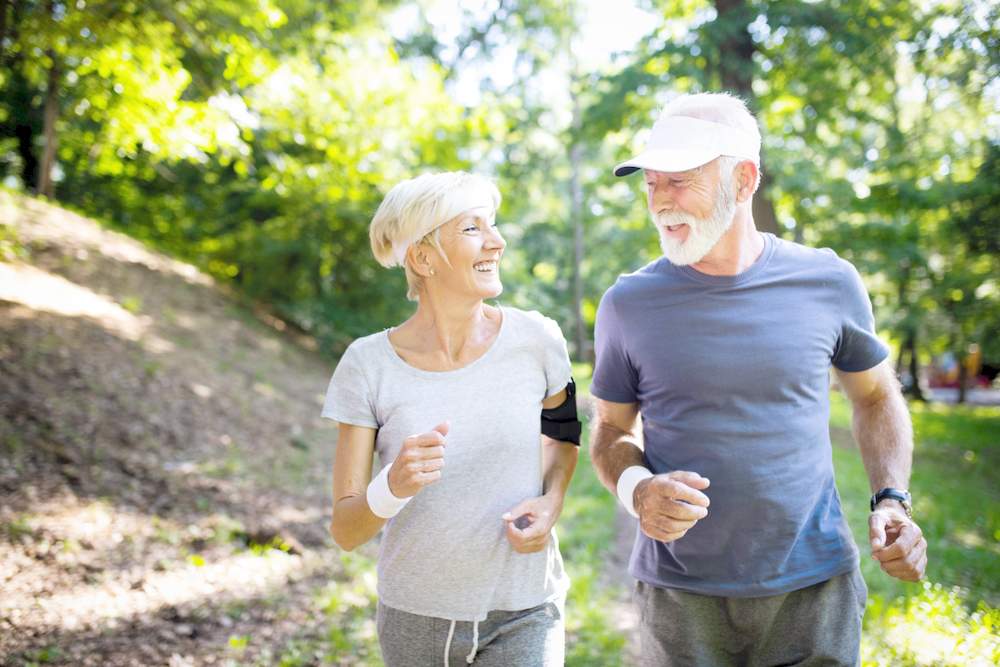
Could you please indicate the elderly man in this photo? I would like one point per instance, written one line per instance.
(724, 346)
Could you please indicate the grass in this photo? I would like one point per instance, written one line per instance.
(348, 634)
(951, 618)
(587, 534)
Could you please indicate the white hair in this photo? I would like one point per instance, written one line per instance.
(413, 212)
(719, 108)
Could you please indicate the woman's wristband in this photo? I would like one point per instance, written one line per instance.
(627, 481)
(380, 499)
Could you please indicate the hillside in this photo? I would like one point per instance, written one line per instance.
(163, 469)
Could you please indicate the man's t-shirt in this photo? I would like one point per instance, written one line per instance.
(731, 374)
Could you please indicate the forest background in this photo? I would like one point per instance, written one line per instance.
(256, 138)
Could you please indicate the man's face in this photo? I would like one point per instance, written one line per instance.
(691, 210)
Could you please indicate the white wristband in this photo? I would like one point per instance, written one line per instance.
(380, 499)
(627, 481)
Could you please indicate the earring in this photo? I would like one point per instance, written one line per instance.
(432, 272)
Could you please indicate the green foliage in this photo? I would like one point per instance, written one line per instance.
(256, 140)
(951, 618)
(43, 656)
(934, 627)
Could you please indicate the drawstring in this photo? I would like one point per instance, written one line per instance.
(475, 643)
(447, 644)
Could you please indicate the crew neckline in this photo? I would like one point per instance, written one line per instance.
(770, 244)
(399, 361)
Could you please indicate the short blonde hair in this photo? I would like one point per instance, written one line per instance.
(413, 212)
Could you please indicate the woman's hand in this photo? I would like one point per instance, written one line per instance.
(529, 523)
(419, 462)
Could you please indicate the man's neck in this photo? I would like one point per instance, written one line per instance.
(736, 251)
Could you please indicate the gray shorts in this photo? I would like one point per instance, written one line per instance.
(533, 637)
(817, 625)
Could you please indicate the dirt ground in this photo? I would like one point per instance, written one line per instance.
(163, 467)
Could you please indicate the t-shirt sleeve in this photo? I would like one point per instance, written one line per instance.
(555, 358)
(348, 398)
(615, 377)
(858, 346)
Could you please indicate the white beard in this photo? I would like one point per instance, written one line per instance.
(703, 234)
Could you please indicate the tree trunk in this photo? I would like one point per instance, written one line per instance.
(910, 345)
(26, 151)
(576, 212)
(46, 186)
(3, 27)
(736, 49)
(963, 378)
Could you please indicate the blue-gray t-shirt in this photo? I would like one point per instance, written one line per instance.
(731, 374)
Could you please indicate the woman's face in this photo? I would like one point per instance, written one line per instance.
(473, 245)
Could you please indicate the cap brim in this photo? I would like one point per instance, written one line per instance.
(669, 160)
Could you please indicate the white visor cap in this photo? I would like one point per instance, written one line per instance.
(679, 143)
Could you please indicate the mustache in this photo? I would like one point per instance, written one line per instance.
(671, 218)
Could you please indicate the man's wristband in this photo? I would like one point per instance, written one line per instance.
(627, 481)
(380, 499)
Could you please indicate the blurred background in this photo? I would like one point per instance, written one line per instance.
(160, 368)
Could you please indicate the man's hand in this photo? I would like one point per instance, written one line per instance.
(529, 523)
(897, 542)
(419, 462)
(668, 505)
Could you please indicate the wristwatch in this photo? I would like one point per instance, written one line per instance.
(901, 495)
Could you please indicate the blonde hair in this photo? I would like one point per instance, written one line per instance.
(720, 108)
(413, 212)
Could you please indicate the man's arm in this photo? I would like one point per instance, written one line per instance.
(615, 440)
(667, 505)
(882, 429)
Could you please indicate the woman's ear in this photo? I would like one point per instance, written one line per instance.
(419, 261)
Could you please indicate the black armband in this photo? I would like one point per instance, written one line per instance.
(561, 423)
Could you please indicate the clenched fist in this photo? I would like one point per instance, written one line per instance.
(671, 503)
(419, 462)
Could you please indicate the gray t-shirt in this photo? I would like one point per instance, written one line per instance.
(446, 554)
(731, 374)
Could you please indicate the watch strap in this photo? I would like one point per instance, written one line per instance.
(900, 495)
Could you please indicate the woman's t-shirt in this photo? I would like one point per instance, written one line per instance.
(446, 553)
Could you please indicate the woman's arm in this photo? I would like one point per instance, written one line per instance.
(353, 521)
(558, 458)
(530, 522)
(418, 464)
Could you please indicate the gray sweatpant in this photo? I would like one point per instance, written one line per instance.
(529, 638)
(817, 625)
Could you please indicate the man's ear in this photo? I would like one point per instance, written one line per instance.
(746, 180)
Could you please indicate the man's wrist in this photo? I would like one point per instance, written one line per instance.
(627, 482)
(889, 503)
(892, 497)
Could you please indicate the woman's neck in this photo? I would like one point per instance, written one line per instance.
(446, 335)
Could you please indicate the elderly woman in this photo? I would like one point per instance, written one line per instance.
(469, 567)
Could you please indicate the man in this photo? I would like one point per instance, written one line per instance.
(724, 346)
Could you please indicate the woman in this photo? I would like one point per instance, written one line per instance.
(469, 566)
